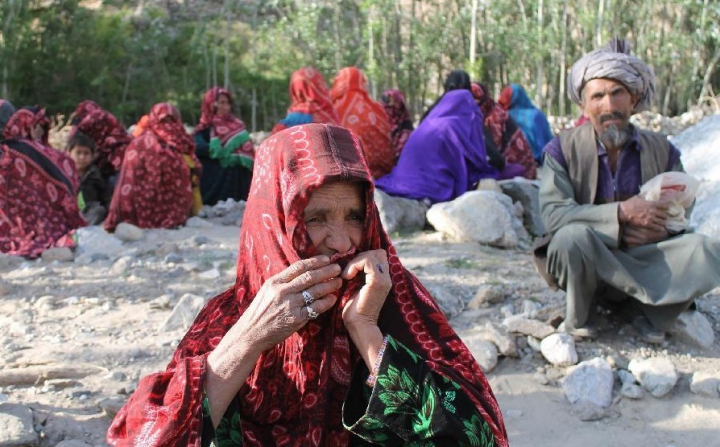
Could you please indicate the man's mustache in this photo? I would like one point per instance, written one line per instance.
(617, 115)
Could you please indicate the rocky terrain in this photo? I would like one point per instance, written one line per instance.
(78, 329)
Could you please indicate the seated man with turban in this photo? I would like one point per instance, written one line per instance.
(606, 242)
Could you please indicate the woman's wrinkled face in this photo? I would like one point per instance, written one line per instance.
(335, 217)
(223, 105)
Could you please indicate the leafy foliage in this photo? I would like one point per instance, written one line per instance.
(128, 55)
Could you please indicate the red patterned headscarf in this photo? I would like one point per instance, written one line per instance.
(309, 94)
(22, 123)
(225, 127)
(364, 116)
(110, 137)
(402, 125)
(85, 108)
(295, 393)
(164, 121)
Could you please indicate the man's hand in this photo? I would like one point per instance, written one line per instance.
(641, 213)
(634, 236)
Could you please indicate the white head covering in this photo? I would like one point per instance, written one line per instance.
(614, 61)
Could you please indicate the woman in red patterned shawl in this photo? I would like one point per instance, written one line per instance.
(110, 136)
(502, 131)
(224, 148)
(325, 339)
(159, 173)
(310, 101)
(38, 189)
(364, 116)
(402, 125)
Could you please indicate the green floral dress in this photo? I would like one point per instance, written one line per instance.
(409, 405)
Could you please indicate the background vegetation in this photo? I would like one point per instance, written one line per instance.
(127, 55)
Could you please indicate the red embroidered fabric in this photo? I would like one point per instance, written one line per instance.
(110, 137)
(22, 123)
(38, 198)
(154, 189)
(295, 394)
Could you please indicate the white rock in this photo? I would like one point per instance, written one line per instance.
(94, 240)
(184, 313)
(450, 303)
(197, 222)
(588, 387)
(559, 349)
(499, 336)
(210, 274)
(128, 232)
(112, 406)
(62, 254)
(513, 414)
(10, 261)
(16, 426)
(625, 376)
(698, 146)
(399, 213)
(485, 353)
(521, 325)
(479, 216)
(486, 295)
(534, 343)
(122, 265)
(657, 375)
(530, 309)
(527, 193)
(632, 391)
(706, 384)
(693, 328)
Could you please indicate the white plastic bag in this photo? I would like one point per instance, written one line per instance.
(680, 188)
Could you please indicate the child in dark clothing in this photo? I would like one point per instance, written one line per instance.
(93, 198)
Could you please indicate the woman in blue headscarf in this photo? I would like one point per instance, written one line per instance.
(531, 120)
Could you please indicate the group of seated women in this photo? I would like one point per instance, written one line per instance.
(158, 176)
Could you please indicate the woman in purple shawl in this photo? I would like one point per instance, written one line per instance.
(445, 156)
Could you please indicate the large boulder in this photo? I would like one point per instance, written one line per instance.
(95, 240)
(527, 192)
(480, 216)
(184, 313)
(399, 213)
(693, 328)
(698, 146)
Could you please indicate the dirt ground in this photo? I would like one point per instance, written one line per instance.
(105, 317)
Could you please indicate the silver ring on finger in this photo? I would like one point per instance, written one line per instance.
(311, 312)
(307, 297)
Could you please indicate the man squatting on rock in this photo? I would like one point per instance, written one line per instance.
(607, 243)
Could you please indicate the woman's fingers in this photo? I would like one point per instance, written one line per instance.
(300, 267)
(324, 288)
(320, 306)
(310, 278)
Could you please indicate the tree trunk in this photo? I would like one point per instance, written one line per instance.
(473, 38)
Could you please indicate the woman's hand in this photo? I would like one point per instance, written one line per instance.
(279, 308)
(274, 314)
(362, 311)
(364, 307)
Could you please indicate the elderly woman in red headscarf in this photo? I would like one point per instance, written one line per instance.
(224, 148)
(310, 101)
(38, 188)
(325, 339)
(110, 136)
(159, 181)
(365, 117)
(503, 132)
(400, 122)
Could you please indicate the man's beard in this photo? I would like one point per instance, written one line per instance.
(615, 136)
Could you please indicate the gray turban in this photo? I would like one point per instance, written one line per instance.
(614, 61)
